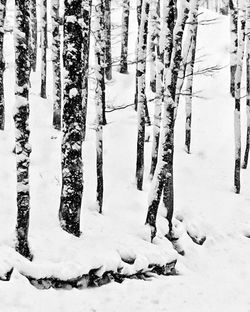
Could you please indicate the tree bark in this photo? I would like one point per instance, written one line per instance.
(124, 37)
(56, 61)
(163, 177)
(141, 74)
(237, 114)
(2, 63)
(72, 167)
(108, 54)
(44, 44)
(234, 43)
(99, 48)
(21, 118)
(138, 9)
(33, 12)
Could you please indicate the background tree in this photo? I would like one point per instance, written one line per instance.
(124, 37)
(2, 64)
(33, 17)
(21, 118)
(72, 167)
(108, 54)
(44, 41)
(141, 74)
(233, 6)
(56, 61)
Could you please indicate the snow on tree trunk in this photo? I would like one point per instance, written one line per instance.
(124, 37)
(2, 64)
(33, 15)
(99, 57)
(141, 74)
(44, 43)
(138, 9)
(190, 75)
(238, 76)
(21, 118)
(86, 47)
(163, 177)
(108, 54)
(56, 61)
(245, 163)
(72, 167)
(234, 42)
(164, 51)
(153, 38)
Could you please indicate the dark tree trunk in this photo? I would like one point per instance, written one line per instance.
(99, 56)
(124, 39)
(234, 43)
(72, 167)
(44, 45)
(138, 8)
(21, 118)
(56, 60)
(2, 63)
(108, 54)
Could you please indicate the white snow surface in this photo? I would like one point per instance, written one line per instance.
(213, 277)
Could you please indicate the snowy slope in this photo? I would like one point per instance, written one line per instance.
(212, 277)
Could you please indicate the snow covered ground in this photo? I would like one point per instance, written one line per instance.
(212, 277)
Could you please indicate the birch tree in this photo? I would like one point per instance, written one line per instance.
(138, 10)
(124, 37)
(246, 155)
(72, 166)
(56, 61)
(108, 54)
(238, 77)
(164, 52)
(44, 44)
(2, 64)
(163, 177)
(98, 100)
(21, 118)
(141, 74)
(233, 6)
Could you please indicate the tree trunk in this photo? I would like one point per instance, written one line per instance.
(33, 12)
(99, 48)
(163, 177)
(72, 167)
(108, 54)
(238, 76)
(234, 43)
(141, 74)
(86, 47)
(2, 63)
(44, 49)
(245, 163)
(56, 61)
(21, 118)
(124, 37)
(138, 9)
(190, 75)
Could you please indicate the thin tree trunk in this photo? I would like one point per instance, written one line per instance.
(246, 155)
(138, 8)
(2, 63)
(44, 49)
(124, 37)
(190, 76)
(108, 54)
(99, 48)
(21, 118)
(234, 42)
(163, 177)
(141, 74)
(237, 115)
(72, 167)
(86, 48)
(56, 60)
(33, 12)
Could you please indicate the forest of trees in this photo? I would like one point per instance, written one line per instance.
(165, 53)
